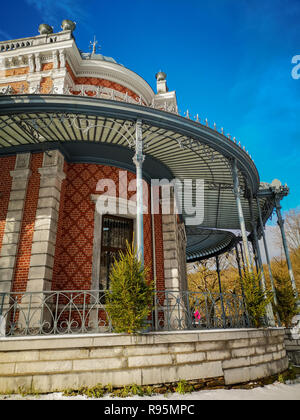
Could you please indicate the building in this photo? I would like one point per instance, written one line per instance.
(74, 125)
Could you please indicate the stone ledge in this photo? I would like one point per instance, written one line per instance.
(111, 339)
(250, 373)
(61, 362)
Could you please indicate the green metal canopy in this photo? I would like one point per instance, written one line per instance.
(88, 129)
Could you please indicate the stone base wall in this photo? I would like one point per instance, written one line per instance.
(48, 364)
(292, 345)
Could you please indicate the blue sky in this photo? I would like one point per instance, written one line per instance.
(228, 60)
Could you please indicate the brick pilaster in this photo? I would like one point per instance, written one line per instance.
(9, 250)
(45, 228)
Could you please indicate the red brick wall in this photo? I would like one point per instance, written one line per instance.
(159, 253)
(27, 228)
(17, 86)
(96, 81)
(14, 72)
(74, 244)
(46, 84)
(7, 164)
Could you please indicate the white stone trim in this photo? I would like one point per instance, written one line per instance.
(46, 219)
(14, 216)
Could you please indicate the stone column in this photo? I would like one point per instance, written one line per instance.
(13, 224)
(44, 237)
(37, 306)
(174, 245)
(12, 230)
(171, 261)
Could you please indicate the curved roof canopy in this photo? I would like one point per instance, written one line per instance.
(88, 129)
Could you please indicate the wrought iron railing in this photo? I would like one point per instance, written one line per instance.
(82, 311)
(91, 91)
(103, 92)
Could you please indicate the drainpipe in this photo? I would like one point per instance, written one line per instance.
(154, 260)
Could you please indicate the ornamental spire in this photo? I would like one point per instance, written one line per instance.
(93, 45)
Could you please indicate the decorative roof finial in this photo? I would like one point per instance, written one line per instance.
(45, 29)
(161, 82)
(160, 76)
(68, 25)
(93, 45)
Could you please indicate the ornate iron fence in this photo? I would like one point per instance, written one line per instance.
(91, 91)
(82, 311)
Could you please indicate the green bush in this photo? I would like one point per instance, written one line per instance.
(131, 296)
(286, 300)
(256, 300)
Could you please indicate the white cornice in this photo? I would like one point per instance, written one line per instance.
(81, 67)
(43, 48)
(110, 71)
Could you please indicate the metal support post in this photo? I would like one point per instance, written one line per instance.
(285, 246)
(138, 159)
(266, 249)
(238, 260)
(242, 255)
(257, 266)
(269, 309)
(220, 289)
(240, 214)
(237, 257)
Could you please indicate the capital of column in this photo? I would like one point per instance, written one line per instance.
(138, 160)
(52, 172)
(280, 220)
(53, 164)
(22, 164)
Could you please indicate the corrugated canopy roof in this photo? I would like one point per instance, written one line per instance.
(103, 131)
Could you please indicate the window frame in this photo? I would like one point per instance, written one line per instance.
(112, 248)
(122, 205)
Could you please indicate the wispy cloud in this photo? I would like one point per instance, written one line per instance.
(4, 36)
(273, 241)
(53, 10)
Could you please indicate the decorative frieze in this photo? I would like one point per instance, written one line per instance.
(31, 63)
(55, 59)
(38, 64)
(62, 58)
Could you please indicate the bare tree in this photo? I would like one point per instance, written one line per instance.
(292, 228)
